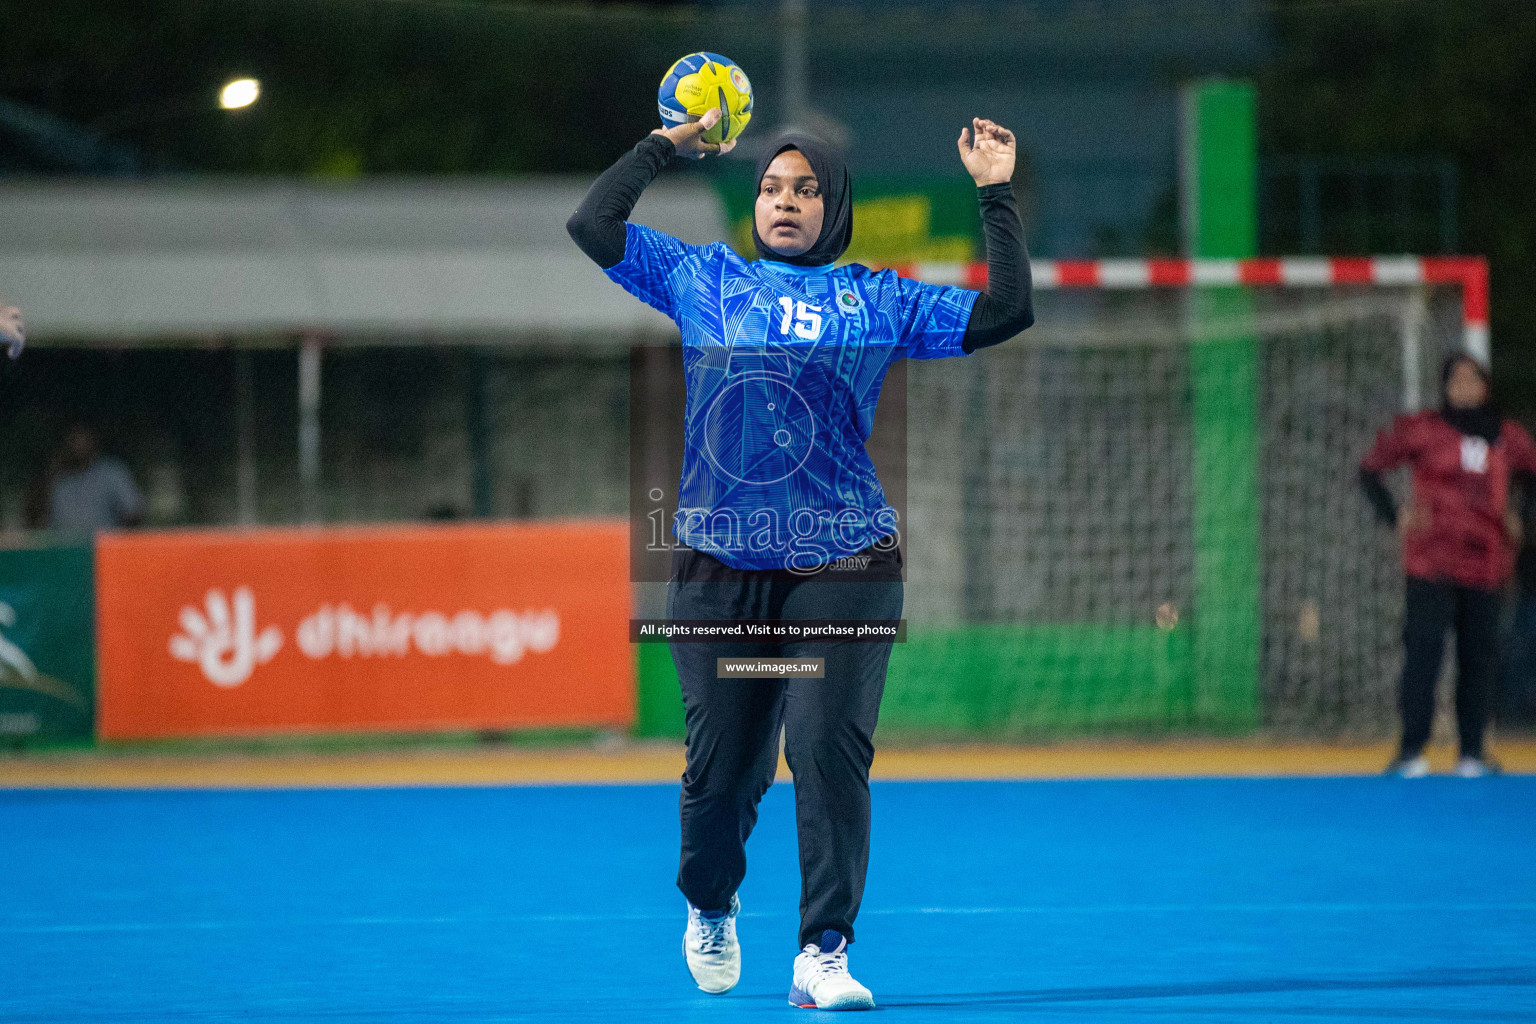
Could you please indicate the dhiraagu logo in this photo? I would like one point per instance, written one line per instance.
(223, 639)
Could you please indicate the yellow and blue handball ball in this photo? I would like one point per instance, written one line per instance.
(699, 83)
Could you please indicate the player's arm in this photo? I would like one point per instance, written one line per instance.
(13, 333)
(1522, 449)
(1522, 464)
(1390, 451)
(1381, 500)
(597, 226)
(127, 499)
(1006, 307)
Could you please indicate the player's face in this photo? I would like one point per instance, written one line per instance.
(1466, 389)
(789, 207)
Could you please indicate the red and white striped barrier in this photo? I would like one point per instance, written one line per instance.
(1469, 273)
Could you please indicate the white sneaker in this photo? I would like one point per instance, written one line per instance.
(1477, 767)
(822, 981)
(1409, 767)
(711, 949)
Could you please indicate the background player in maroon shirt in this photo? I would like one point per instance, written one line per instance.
(1459, 543)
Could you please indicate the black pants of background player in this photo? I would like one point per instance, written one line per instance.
(733, 730)
(1433, 608)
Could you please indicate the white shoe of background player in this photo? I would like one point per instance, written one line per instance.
(1477, 767)
(1415, 767)
(711, 949)
(822, 981)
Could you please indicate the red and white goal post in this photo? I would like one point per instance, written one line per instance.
(1468, 273)
(1145, 513)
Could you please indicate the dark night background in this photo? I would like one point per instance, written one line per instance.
(362, 87)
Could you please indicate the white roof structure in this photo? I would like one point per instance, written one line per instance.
(414, 260)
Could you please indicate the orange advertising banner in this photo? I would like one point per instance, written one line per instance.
(366, 628)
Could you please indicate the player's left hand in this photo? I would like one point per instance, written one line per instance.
(13, 333)
(989, 154)
(689, 138)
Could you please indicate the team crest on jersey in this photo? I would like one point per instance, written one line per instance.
(849, 302)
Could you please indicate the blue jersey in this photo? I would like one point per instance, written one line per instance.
(784, 366)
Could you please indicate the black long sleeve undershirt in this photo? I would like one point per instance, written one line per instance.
(1004, 309)
(597, 226)
(1380, 498)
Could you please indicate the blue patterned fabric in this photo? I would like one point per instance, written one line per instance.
(784, 366)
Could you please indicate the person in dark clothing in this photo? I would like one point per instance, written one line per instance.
(1519, 682)
(88, 491)
(1459, 542)
(781, 515)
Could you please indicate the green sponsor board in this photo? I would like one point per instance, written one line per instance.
(47, 644)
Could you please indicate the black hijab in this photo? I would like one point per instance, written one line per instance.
(836, 199)
(1481, 421)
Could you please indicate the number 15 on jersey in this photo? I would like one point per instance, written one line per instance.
(803, 317)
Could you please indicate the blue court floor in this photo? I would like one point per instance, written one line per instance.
(1200, 900)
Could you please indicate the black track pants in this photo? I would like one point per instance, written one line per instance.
(733, 740)
(1432, 609)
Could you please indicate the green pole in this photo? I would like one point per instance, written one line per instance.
(1218, 171)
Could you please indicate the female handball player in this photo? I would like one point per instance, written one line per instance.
(781, 516)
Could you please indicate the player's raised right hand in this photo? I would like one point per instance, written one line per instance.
(13, 333)
(688, 137)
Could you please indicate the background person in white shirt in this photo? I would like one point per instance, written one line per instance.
(88, 491)
(13, 333)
